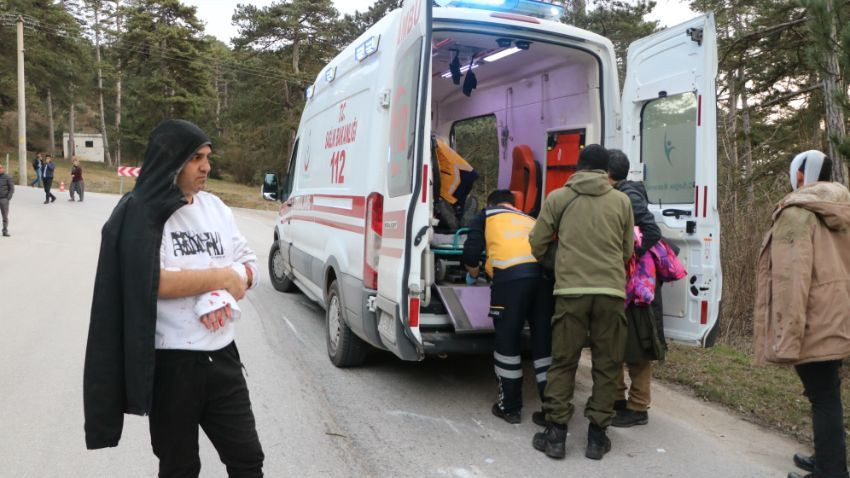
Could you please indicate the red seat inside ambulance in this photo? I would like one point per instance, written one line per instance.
(525, 180)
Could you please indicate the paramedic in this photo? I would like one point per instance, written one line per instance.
(802, 299)
(634, 410)
(519, 292)
(594, 226)
(161, 339)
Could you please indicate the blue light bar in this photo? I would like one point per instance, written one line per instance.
(546, 9)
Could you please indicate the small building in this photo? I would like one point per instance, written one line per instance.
(89, 146)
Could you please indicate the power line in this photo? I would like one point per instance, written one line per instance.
(34, 25)
(184, 57)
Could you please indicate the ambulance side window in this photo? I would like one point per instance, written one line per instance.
(668, 148)
(403, 120)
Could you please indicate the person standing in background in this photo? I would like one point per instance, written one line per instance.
(36, 165)
(802, 301)
(47, 178)
(77, 184)
(7, 189)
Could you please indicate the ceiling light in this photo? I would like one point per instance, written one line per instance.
(463, 70)
(499, 55)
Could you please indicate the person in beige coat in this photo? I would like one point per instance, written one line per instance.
(802, 309)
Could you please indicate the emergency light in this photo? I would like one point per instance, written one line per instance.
(547, 9)
(368, 47)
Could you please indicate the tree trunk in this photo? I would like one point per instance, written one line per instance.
(296, 54)
(51, 131)
(217, 101)
(835, 128)
(732, 139)
(118, 91)
(100, 83)
(748, 140)
(72, 146)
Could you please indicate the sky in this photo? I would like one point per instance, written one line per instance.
(217, 13)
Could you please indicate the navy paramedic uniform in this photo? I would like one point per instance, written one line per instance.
(520, 292)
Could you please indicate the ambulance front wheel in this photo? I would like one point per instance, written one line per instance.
(280, 279)
(344, 348)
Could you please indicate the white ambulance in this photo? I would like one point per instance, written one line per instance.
(356, 230)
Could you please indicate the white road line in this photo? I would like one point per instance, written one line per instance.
(294, 332)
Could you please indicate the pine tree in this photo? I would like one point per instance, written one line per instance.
(166, 57)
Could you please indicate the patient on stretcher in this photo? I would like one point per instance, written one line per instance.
(455, 207)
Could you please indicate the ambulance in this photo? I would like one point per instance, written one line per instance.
(358, 228)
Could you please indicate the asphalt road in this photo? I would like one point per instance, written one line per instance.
(388, 418)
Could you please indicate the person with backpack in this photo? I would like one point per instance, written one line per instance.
(633, 410)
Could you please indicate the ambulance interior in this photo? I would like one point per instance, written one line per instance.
(517, 111)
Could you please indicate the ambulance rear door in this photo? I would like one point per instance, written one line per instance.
(406, 206)
(669, 134)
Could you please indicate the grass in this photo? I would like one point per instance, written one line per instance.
(103, 179)
(771, 395)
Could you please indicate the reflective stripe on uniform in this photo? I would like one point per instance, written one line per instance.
(504, 264)
(541, 377)
(543, 362)
(507, 360)
(504, 373)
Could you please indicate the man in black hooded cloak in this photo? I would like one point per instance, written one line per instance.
(172, 267)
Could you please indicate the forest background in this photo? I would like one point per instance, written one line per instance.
(119, 67)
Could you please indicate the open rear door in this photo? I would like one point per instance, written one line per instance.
(669, 127)
(406, 209)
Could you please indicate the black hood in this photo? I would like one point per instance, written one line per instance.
(170, 146)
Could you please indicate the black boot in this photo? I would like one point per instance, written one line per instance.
(511, 417)
(539, 418)
(552, 441)
(804, 462)
(620, 405)
(629, 418)
(598, 443)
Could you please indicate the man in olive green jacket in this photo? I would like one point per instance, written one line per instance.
(594, 226)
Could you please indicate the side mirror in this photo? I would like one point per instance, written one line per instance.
(270, 189)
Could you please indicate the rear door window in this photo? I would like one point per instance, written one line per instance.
(668, 148)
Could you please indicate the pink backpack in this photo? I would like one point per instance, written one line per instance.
(640, 277)
(667, 265)
(660, 262)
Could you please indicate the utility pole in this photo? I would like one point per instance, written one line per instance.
(22, 108)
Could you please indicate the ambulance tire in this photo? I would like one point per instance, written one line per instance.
(344, 348)
(280, 280)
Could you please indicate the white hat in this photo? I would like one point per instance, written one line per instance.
(811, 161)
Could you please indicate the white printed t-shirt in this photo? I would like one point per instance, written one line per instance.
(200, 235)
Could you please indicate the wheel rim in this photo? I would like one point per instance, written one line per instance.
(277, 265)
(334, 322)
